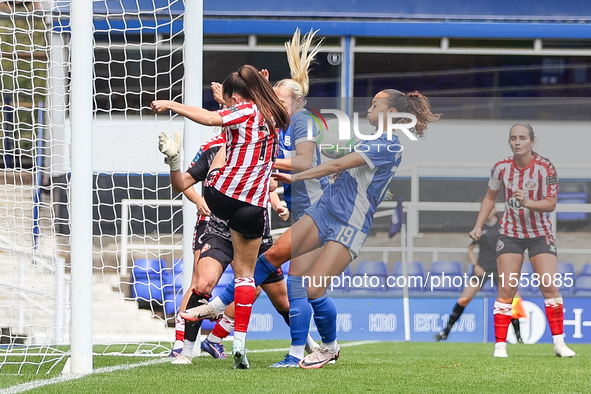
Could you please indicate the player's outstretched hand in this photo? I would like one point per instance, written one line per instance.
(283, 213)
(160, 106)
(282, 177)
(171, 149)
(217, 90)
(475, 234)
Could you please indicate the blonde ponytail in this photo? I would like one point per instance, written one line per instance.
(299, 57)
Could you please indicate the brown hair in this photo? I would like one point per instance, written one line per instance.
(414, 103)
(250, 84)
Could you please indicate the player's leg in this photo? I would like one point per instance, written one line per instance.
(545, 264)
(179, 325)
(208, 272)
(467, 295)
(245, 256)
(507, 263)
(335, 257)
(277, 290)
(279, 253)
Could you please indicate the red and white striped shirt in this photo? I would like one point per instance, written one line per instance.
(250, 154)
(538, 180)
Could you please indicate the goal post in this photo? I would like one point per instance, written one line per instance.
(81, 54)
(92, 68)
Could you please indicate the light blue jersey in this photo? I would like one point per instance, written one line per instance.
(303, 194)
(345, 212)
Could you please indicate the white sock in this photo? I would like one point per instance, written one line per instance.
(240, 335)
(297, 351)
(218, 305)
(178, 344)
(188, 347)
(332, 346)
(558, 338)
(310, 342)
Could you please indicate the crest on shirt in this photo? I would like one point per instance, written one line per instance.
(500, 245)
(205, 248)
(530, 185)
(287, 140)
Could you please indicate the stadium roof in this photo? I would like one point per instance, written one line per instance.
(417, 18)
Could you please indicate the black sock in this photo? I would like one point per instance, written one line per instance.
(285, 316)
(516, 327)
(192, 327)
(453, 317)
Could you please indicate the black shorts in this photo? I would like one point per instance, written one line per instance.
(242, 217)
(221, 250)
(198, 235)
(534, 246)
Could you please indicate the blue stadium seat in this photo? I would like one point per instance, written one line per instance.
(447, 267)
(563, 269)
(148, 267)
(177, 266)
(227, 277)
(367, 288)
(586, 270)
(372, 268)
(489, 289)
(572, 198)
(450, 270)
(583, 286)
(148, 277)
(416, 273)
(415, 268)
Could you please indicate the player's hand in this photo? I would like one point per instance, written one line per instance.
(520, 196)
(171, 149)
(283, 213)
(282, 177)
(479, 271)
(265, 73)
(475, 234)
(217, 90)
(160, 106)
(203, 208)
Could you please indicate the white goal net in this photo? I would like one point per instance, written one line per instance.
(137, 220)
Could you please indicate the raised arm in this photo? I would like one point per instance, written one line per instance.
(199, 115)
(351, 160)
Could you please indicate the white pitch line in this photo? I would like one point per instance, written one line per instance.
(19, 388)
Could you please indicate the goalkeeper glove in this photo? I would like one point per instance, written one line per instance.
(172, 150)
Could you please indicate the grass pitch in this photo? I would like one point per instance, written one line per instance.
(376, 367)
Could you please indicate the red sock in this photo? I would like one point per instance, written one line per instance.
(179, 328)
(244, 298)
(502, 315)
(555, 315)
(221, 328)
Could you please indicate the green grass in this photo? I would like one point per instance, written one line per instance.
(378, 367)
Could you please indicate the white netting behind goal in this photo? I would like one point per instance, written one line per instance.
(137, 221)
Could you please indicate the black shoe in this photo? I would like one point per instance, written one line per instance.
(519, 340)
(442, 336)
